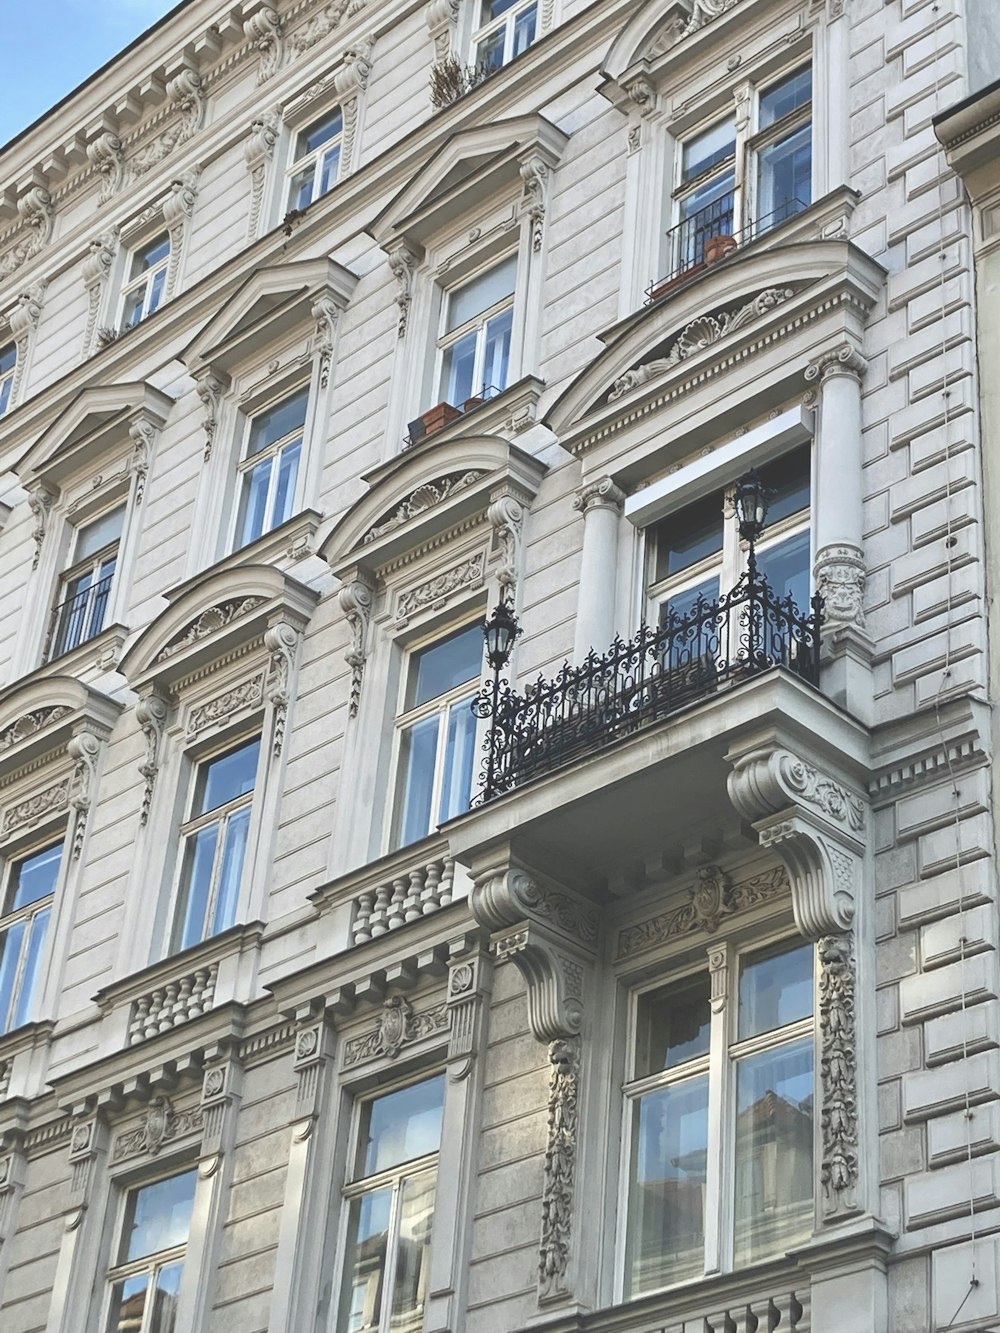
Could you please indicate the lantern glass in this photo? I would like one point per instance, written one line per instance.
(500, 631)
(751, 506)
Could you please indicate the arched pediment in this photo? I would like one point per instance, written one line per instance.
(271, 300)
(652, 29)
(472, 165)
(425, 492)
(710, 320)
(40, 714)
(81, 433)
(210, 618)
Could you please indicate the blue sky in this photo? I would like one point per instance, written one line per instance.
(50, 46)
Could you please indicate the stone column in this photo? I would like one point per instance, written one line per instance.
(601, 503)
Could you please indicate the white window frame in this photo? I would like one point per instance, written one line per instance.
(118, 1271)
(477, 324)
(12, 918)
(355, 1187)
(506, 24)
(248, 463)
(194, 823)
(93, 563)
(145, 280)
(7, 374)
(441, 706)
(719, 1065)
(315, 157)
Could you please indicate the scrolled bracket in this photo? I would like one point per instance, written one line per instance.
(814, 823)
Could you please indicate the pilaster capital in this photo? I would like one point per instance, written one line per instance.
(815, 824)
(843, 359)
(600, 494)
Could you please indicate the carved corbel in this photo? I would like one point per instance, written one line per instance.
(281, 641)
(96, 272)
(314, 1046)
(107, 155)
(549, 934)
(534, 193)
(85, 750)
(40, 502)
(88, 1144)
(221, 1089)
(263, 30)
(356, 603)
(36, 215)
(23, 323)
(441, 17)
(350, 81)
(403, 262)
(506, 515)
(469, 983)
(210, 388)
(177, 209)
(258, 151)
(151, 713)
(814, 823)
(325, 313)
(642, 95)
(142, 433)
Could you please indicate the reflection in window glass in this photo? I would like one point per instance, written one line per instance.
(25, 911)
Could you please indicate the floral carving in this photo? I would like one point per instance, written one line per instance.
(403, 264)
(434, 593)
(356, 602)
(425, 497)
(710, 898)
(36, 807)
(398, 1025)
(698, 335)
(325, 313)
(506, 516)
(177, 209)
(257, 152)
(319, 27)
(704, 11)
(560, 1166)
(40, 502)
(281, 641)
(142, 433)
(809, 784)
(23, 320)
(84, 749)
(685, 919)
(245, 695)
(96, 271)
(534, 180)
(160, 1124)
(210, 390)
(31, 723)
(263, 31)
(108, 156)
(838, 1074)
(151, 714)
(187, 97)
(210, 621)
(36, 219)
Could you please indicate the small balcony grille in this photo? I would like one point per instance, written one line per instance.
(639, 681)
(78, 618)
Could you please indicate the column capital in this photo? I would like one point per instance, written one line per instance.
(600, 494)
(842, 359)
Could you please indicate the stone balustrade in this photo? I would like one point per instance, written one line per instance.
(407, 897)
(759, 1315)
(175, 1003)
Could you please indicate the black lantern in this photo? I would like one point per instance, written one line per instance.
(500, 631)
(752, 498)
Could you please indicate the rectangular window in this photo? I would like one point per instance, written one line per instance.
(389, 1198)
(145, 1278)
(783, 150)
(214, 844)
(270, 468)
(506, 28)
(707, 192)
(26, 907)
(751, 1074)
(147, 280)
(474, 346)
(85, 589)
(437, 735)
(8, 363)
(317, 160)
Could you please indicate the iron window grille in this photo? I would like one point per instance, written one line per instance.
(81, 613)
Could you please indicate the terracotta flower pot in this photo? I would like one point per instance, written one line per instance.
(718, 248)
(439, 416)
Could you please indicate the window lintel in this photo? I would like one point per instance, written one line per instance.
(41, 713)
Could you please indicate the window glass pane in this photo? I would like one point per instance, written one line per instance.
(8, 358)
(478, 295)
(253, 502)
(402, 1125)
(497, 358)
(227, 777)
(196, 885)
(5, 386)
(666, 1212)
(458, 370)
(329, 169)
(445, 665)
(11, 942)
(459, 760)
(93, 537)
(287, 418)
(150, 255)
(319, 133)
(775, 988)
(133, 306)
(788, 478)
(284, 494)
(774, 1138)
(157, 1217)
(489, 52)
(417, 758)
(233, 855)
(128, 1304)
(168, 1285)
(786, 568)
(708, 212)
(31, 975)
(687, 603)
(524, 29)
(368, 1235)
(707, 150)
(156, 291)
(785, 177)
(492, 9)
(785, 97)
(674, 1025)
(34, 878)
(692, 534)
(416, 1214)
(301, 192)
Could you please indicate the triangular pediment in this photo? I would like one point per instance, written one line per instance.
(473, 165)
(271, 301)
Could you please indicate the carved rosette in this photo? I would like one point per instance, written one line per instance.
(840, 580)
(815, 824)
(356, 603)
(258, 151)
(551, 936)
(560, 1168)
(838, 1076)
(151, 713)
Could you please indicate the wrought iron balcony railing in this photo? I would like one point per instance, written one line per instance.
(717, 645)
(688, 244)
(78, 618)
